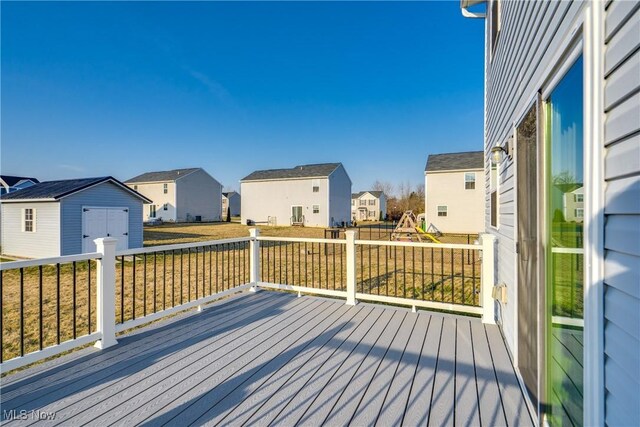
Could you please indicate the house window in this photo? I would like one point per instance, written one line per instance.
(372, 214)
(579, 198)
(353, 202)
(29, 220)
(165, 188)
(495, 24)
(579, 213)
(372, 202)
(363, 203)
(494, 194)
(469, 181)
(442, 211)
(165, 207)
(316, 209)
(316, 185)
(152, 211)
(135, 187)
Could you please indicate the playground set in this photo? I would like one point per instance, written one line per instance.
(413, 229)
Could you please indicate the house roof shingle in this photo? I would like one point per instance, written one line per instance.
(55, 190)
(11, 180)
(301, 171)
(372, 192)
(160, 176)
(455, 161)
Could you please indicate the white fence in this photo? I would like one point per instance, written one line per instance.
(343, 268)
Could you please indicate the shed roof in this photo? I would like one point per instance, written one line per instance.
(320, 170)
(161, 176)
(11, 180)
(455, 161)
(55, 190)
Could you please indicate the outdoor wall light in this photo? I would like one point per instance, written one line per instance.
(498, 152)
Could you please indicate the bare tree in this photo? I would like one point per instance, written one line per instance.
(384, 186)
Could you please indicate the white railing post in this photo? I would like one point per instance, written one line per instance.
(106, 291)
(487, 242)
(254, 259)
(351, 267)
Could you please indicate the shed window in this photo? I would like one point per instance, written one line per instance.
(165, 188)
(29, 220)
(316, 185)
(469, 181)
(316, 209)
(442, 211)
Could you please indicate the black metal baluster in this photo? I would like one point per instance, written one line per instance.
(189, 275)
(326, 266)
(370, 276)
(58, 303)
(196, 281)
(181, 278)
(361, 269)
(122, 289)
(173, 278)
(395, 271)
(423, 296)
(74, 299)
(333, 250)
(313, 267)
(40, 306)
(155, 294)
(386, 269)
(413, 271)
(217, 269)
(144, 285)
(280, 260)
(378, 268)
(452, 279)
(433, 283)
(88, 296)
(306, 273)
(473, 274)
(442, 274)
(22, 311)
(462, 266)
(210, 271)
(404, 273)
(133, 269)
(164, 280)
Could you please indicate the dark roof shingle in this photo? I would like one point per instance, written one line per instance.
(455, 161)
(159, 176)
(58, 189)
(374, 193)
(301, 171)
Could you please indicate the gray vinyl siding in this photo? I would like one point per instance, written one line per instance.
(198, 194)
(529, 38)
(339, 197)
(43, 243)
(622, 213)
(103, 195)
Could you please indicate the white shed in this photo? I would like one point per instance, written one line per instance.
(317, 195)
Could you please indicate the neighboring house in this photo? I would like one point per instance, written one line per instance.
(573, 204)
(231, 200)
(10, 183)
(55, 218)
(562, 105)
(180, 195)
(368, 206)
(454, 192)
(312, 195)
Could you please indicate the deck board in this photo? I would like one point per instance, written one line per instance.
(270, 357)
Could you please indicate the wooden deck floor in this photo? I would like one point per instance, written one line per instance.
(272, 358)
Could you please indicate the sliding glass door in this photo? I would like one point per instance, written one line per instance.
(564, 250)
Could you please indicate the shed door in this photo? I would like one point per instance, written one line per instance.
(105, 222)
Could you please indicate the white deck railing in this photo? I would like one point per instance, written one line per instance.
(340, 270)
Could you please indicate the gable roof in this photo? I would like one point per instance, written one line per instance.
(56, 190)
(455, 161)
(230, 193)
(320, 170)
(11, 180)
(160, 176)
(374, 193)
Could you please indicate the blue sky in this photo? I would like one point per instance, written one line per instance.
(121, 88)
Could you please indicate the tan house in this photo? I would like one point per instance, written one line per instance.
(454, 192)
(180, 195)
(368, 206)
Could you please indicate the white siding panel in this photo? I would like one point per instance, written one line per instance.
(617, 16)
(621, 400)
(198, 194)
(623, 82)
(623, 349)
(623, 196)
(623, 159)
(339, 197)
(623, 44)
(623, 120)
(622, 234)
(44, 242)
(622, 272)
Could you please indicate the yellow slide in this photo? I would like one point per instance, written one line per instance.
(427, 235)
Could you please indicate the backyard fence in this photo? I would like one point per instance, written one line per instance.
(53, 305)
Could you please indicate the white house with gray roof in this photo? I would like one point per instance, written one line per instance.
(454, 192)
(368, 206)
(317, 195)
(180, 195)
(55, 218)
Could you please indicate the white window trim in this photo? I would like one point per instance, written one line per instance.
(475, 180)
(446, 210)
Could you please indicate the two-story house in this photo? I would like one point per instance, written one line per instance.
(454, 192)
(9, 183)
(316, 195)
(230, 204)
(180, 195)
(368, 206)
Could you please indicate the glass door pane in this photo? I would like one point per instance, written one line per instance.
(564, 254)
